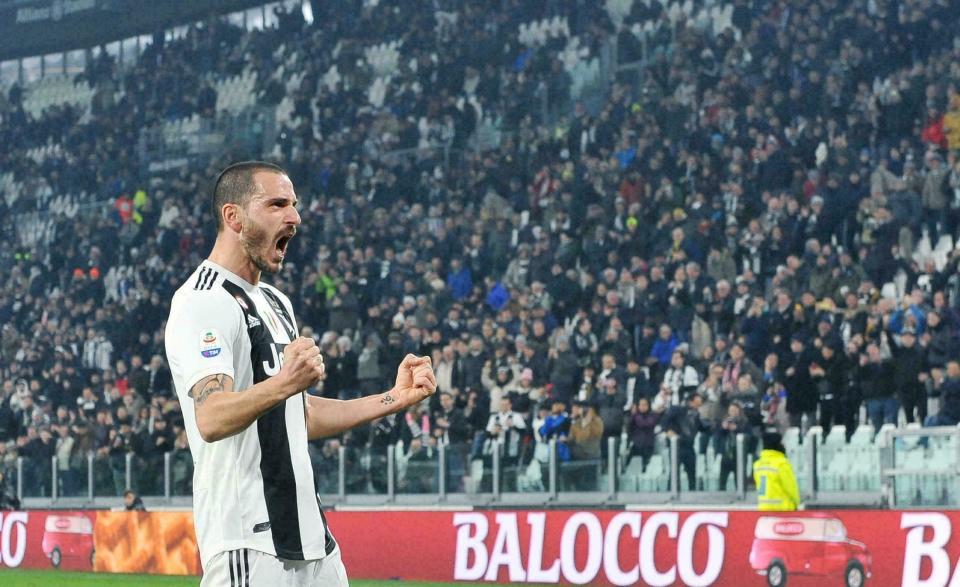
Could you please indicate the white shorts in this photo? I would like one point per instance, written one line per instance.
(252, 568)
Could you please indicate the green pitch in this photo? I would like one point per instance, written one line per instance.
(18, 578)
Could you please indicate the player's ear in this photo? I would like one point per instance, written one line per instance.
(231, 214)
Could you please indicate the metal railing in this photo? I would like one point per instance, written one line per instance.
(896, 468)
(920, 467)
(92, 478)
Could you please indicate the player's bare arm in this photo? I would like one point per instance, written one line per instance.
(329, 417)
(221, 414)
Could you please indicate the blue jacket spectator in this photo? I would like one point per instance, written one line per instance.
(459, 280)
(556, 426)
(664, 346)
(497, 297)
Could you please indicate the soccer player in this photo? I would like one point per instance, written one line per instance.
(240, 370)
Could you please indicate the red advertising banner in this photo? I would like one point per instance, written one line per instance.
(657, 548)
(601, 547)
(111, 542)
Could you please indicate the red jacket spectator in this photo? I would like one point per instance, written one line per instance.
(933, 133)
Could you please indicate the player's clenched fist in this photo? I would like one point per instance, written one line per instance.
(424, 379)
(415, 380)
(302, 365)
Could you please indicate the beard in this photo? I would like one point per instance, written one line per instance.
(257, 245)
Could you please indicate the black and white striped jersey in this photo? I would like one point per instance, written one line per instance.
(255, 489)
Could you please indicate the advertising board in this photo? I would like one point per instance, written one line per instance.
(595, 547)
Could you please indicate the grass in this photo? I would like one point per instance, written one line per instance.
(25, 578)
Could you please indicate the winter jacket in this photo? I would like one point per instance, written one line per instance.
(777, 489)
(642, 428)
(585, 435)
(932, 195)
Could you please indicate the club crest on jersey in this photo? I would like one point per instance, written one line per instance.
(210, 343)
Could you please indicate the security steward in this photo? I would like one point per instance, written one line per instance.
(776, 485)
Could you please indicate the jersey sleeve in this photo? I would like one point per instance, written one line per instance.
(202, 338)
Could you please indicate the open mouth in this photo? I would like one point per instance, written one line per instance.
(282, 245)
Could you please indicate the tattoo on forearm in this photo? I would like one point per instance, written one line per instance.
(209, 387)
(387, 399)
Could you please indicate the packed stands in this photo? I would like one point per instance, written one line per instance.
(652, 227)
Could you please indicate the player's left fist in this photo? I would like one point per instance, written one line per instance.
(424, 379)
(415, 379)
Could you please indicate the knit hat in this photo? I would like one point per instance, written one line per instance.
(772, 440)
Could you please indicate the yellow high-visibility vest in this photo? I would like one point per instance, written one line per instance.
(776, 485)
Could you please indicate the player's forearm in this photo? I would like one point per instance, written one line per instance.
(224, 414)
(330, 417)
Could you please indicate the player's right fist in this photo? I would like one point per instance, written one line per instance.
(302, 365)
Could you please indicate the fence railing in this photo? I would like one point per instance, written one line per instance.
(895, 468)
(93, 477)
(920, 467)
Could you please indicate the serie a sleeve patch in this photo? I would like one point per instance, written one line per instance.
(211, 342)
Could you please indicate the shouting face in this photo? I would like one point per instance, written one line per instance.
(269, 221)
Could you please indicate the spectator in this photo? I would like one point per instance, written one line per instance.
(747, 396)
(67, 463)
(683, 422)
(585, 438)
(773, 407)
(155, 444)
(802, 396)
(940, 343)
(506, 429)
(680, 377)
(563, 370)
(459, 280)
(664, 347)
(586, 431)
(642, 430)
(933, 196)
(909, 376)
(326, 462)
(525, 394)
(714, 398)
(610, 409)
(949, 414)
(725, 442)
(132, 502)
(449, 424)
(876, 376)
(556, 426)
(8, 497)
(828, 376)
(120, 444)
(737, 365)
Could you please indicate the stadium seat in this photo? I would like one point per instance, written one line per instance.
(863, 436)
(836, 437)
(656, 477)
(882, 437)
(791, 437)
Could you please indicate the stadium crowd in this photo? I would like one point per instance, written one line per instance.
(757, 231)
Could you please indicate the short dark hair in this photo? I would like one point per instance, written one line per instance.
(235, 184)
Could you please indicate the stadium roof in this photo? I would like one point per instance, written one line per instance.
(37, 27)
